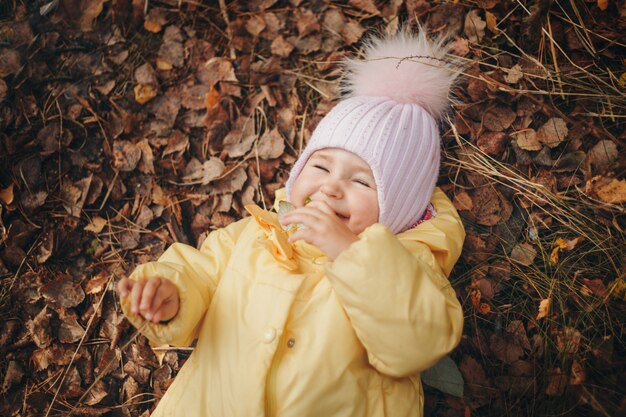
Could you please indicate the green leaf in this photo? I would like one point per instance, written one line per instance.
(444, 376)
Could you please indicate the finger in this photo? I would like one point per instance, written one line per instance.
(135, 296)
(308, 220)
(303, 212)
(147, 297)
(321, 206)
(125, 286)
(160, 304)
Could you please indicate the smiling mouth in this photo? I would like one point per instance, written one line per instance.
(342, 217)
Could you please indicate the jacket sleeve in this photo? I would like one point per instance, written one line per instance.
(397, 295)
(196, 274)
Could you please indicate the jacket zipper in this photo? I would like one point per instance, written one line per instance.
(270, 381)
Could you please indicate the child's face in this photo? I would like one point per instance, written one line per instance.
(343, 181)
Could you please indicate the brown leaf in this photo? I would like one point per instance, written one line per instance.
(6, 194)
(271, 145)
(523, 254)
(498, 118)
(514, 74)
(490, 207)
(126, 155)
(96, 224)
(473, 372)
(609, 190)
(462, 201)
(255, 25)
(365, 5)
(63, 292)
(216, 69)
(146, 164)
(234, 181)
(518, 331)
(352, 32)
(10, 62)
(144, 93)
(193, 97)
(13, 375)
(3, 90)
(203, 173)
(553, 132)
(492, 143)
(527, 140)
(177, 143)
(505, 348)
(39, 328)
(281, 47)
(154, 20)
(70, 331)
(557, 382)
(603, 154)
(98, 283)
(83, 12)
(137, 372)
(474, 26)
(577, 373)
(171, 52)
(145, 74)
(306, 22)
(236, 144)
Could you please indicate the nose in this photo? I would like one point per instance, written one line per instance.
(331, 188)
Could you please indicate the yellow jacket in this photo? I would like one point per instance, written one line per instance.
(341, 338)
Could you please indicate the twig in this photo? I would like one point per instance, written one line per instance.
(229, 32)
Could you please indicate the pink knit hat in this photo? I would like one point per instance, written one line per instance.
(394, 98)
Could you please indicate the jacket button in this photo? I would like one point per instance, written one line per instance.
(291, 343)
(270, 335)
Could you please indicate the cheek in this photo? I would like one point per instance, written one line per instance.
(366, 210)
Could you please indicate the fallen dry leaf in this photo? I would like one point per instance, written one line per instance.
(499, 118)
(271, 145)
(10, 62)
(490, 207)
(6, 195)
(523, 254)
(462, 201)
(527, 140)
(144, 93)
(474, 26)
(514, 74)
(63, 292)
(552, 132)
(603, 153)
(203, 173)
(608, 190)
(126, 155)
(216, 69)
(491, 21)
(96, 224)
(281, 47)
(544, 308)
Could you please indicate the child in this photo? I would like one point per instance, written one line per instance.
(337, 315)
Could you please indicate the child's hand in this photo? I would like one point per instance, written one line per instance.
(321, 227)
(155, 299)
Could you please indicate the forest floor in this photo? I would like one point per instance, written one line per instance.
(127, 125)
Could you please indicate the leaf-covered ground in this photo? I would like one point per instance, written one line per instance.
(127, 125)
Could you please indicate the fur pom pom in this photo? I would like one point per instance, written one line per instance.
(407, 68)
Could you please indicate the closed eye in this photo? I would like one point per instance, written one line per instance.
(362, 182)
(323, 168)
